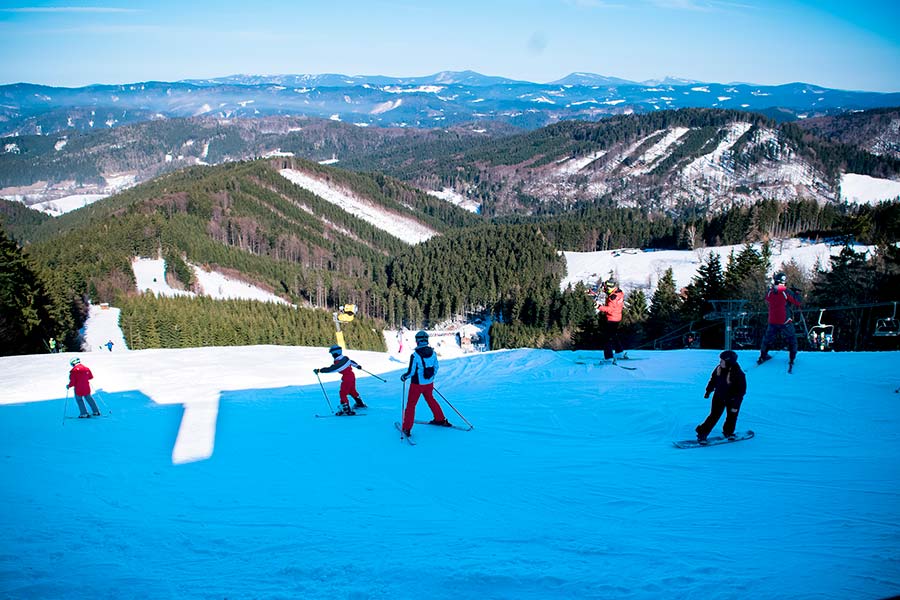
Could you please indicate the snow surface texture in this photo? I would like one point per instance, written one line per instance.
(638, 269)
(568, 487)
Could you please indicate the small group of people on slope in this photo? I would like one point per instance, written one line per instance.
(422, 370)
(728, 383)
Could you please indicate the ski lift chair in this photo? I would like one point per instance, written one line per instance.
(691, 339)
(821, 335)
(743, 333)
(888, 327)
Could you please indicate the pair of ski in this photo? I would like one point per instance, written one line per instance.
(411, 442)
(356, 413)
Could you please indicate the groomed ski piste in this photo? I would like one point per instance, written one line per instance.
(211, 478)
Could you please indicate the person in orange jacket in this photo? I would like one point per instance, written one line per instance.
(79, 378)
(612, 308)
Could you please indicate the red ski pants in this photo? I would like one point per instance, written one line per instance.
(348, 386)
(416, 390)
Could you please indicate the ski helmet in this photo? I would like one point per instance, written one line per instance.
(610, 284)
(779, 278)
(729, 356)
(421, 337)
(335, 350)
(75, 361)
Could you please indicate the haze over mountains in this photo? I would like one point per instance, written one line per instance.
(438, 100)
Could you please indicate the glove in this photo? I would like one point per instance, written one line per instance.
(68, 385)
(706, 395)
(316, 371)
(403, 378)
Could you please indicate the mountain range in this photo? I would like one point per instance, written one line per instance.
(438, 100)
(702, 158)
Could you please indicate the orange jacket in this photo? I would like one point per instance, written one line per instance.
(615, 302)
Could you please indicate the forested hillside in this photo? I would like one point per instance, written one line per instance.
(49, 166)
(691, 160)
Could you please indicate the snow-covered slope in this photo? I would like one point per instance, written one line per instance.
(567, 487)
(404, 228)
(634, 268)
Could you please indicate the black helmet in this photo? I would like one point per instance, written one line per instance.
(421, 337)
(335, 350)
(729, 356)
(610, 284)
(779, 278)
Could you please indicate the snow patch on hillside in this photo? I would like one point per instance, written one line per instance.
(570, 166)
(61, 206)
(149, 274)
(863, 189)
(452, 196)
(644, 164)
(402, 227)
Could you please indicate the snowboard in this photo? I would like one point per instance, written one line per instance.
(714, 440)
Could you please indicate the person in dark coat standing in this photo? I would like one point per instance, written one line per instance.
(79, 378)
(728, 384)
(423, 368)
(780, 322)
(343, 365)
(612, 308)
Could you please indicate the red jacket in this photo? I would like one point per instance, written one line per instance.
(615, 302)
(79, 378)
(778, 298)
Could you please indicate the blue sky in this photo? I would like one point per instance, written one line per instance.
(835, 44)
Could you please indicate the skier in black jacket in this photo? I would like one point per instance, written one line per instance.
(728, 384)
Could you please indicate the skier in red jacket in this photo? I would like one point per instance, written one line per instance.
(343, 365)
(615, 302)
(778, 297)
(79, 378)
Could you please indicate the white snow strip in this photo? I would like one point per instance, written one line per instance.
(404, 228)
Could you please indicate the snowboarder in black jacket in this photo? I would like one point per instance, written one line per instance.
(728, 384)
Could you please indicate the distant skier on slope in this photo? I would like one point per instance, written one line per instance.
(728, 384)
(612, 308)
(423, 367)
(778, 297)
(343, 365)
(79, 378)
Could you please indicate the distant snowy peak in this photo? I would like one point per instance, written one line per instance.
(673, 81)
(590, 79)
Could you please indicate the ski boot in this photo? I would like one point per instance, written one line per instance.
(442, 423)
(359, 403)
(345, 410)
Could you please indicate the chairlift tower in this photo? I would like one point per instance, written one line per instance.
(728, 311)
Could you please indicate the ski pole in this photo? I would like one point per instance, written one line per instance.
(402, 407)
(454, 409)
(323, 391)
(66, 405)
(102, 401)
(372, 374)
